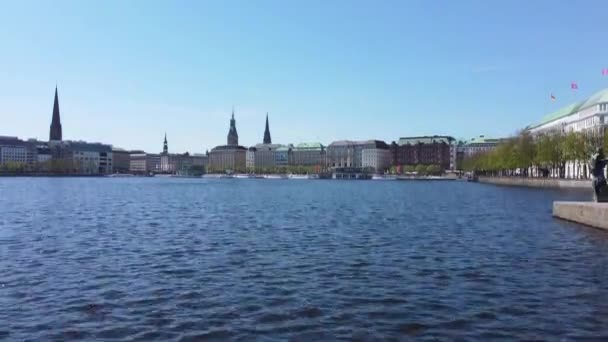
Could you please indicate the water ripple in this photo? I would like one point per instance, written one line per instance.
(190, 260)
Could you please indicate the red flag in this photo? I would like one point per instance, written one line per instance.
(574, 85)
(605, 72)
(552, 97)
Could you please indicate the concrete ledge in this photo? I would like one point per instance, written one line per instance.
(538, 182)
(587, 213)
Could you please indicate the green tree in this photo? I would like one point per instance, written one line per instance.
(420, 170)
(433, 170)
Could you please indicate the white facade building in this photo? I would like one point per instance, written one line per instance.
(590, 113)
(14, 150)
(250, 158)
(378, 159)
(589, 116)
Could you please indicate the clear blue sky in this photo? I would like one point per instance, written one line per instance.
(130, 70)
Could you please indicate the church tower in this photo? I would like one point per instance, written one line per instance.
(233, 137)
(267, 139)
(165, 145)
(55, 133)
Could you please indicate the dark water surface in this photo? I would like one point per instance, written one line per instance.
(188, 259)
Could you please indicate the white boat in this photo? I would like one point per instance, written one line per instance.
(298, 177)
(212, 175)
(275, 176)
(384, 177)
(242, 176)
(121, 175)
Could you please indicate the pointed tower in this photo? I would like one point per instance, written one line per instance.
(165, 145)
(267, 139)
(55, 133)
(233, 136)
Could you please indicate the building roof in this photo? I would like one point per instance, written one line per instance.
(228, 148)
(562, 112)
(375, 143)
(482, 139)
(267, 147)
(89, 147)
(309, 146)
(427, 139)
(599, 97)
(14, 141)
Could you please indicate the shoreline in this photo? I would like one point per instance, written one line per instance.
(553, 183)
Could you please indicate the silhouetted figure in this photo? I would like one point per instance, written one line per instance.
(597, 165)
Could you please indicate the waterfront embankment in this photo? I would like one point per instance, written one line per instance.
(538, 182)
(588, 213)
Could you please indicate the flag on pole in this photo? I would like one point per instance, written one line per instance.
(552, 97)
(605, 72)
(573, 85)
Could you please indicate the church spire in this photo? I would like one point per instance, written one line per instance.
(267, 139)
(233, 137)
(55, 133)
(165, 145)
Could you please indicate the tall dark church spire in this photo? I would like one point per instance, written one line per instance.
(233, 136)
(165, 146)
(55, 133)
(267, 139)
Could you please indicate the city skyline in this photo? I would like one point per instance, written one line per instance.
(335, 75)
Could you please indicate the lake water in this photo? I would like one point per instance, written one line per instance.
(192, 259)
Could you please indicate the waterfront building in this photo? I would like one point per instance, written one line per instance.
(144, 163)
(15, 150)
(55, 133)
(178, 163)
(265, 155)
(250, 158)
(425, 150)
(281, 156)
(378, 159)
(230, 157)
(227, 158)
(81, 157)
(121, 160)
(348, 155)
(308, 154)
(589, 115)
(200, 159)
(481, 144)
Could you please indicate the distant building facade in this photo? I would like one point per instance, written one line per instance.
(425, 150)
(480, 144)
(122, 160)
(349, 154)
(265, 155)
(81, 157)
(590, 115)
(377, 159)
(15, 150)
(308, 154)
(144, 163)
(250, 158)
